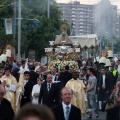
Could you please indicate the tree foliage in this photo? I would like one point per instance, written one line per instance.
(6, 11)
(34, 37)
(38, 37)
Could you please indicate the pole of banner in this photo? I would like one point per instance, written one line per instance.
(19, 29)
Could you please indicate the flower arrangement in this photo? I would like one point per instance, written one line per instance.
(61, 65)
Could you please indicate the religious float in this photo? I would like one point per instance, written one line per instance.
(63, 52)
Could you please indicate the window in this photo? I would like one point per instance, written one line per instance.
(81, 19)
(81, 26)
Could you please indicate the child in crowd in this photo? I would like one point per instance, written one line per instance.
(36, 91)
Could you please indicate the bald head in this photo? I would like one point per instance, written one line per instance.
(49, 78)
(49, 75)
(66, 89)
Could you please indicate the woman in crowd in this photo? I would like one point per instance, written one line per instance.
(36, 91)
(113, 105)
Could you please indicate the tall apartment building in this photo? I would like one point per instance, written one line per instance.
(105, 19)
(80, 15)
(88, 19)
(118, 25)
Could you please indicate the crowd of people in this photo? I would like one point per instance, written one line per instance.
(94, 88)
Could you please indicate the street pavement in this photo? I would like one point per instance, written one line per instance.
(102, 116)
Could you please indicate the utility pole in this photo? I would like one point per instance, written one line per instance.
(48, 9)
(19, 29)
(48, 16)
(14, 10)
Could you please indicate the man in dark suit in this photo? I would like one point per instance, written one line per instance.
(103, 87)
(33, 75)
(49, 92)
(6, 111)
(26, 97)
(65, 77)
(66, 111)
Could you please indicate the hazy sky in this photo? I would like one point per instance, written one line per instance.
(115, 2)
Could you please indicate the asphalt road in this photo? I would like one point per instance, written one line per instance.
(102, 116)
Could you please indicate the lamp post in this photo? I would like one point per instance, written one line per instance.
(19, 28)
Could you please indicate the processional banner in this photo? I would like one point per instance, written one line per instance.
(8, 26)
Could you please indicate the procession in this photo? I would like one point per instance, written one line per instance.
(55, 70)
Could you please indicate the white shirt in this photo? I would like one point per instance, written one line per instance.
(64, 108)
(36, 89)
(25, 81)
(103, 80)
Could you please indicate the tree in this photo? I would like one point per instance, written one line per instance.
(6, 11)
(33, 37)
(39, 36)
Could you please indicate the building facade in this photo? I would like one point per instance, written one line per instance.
(118, 25)
(81, 16)
(100, 18)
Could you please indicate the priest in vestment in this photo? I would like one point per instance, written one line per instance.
(19, 91)
(78, 92)
(10, 84)
(20, 88)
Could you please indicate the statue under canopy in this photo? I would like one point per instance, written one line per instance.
(63, 38)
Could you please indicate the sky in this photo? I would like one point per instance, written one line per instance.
(115, 2)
